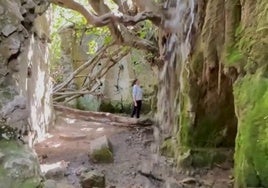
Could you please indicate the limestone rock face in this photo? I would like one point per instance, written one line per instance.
(16, 114)
(117, 84)
(24, 62)
(101, 150)
(25, 103)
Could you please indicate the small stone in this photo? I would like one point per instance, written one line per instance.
(101, 150)
(8, 30)
(81, 170)
(92, 179)
(56, 172)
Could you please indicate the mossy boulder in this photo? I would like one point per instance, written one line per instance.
(101, 150)
(93, 179)
(19, 166)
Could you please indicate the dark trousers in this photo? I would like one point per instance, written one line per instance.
(136, 109)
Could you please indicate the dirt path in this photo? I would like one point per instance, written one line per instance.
(136, 163)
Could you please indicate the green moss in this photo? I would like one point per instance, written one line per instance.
(31, 183)
(11, 150)
(10, 146)
(103, 155)
(88, 102)
(124, 107)
(207, 157)
(108, 107)
(233, 56)
(201, 157)
(251, 101)
(168, 148)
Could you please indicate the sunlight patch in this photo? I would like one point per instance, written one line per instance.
(58, 165)
(56, 145)
(100, 129)
(86, 129)
(69, 120)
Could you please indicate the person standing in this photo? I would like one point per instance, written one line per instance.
(137, 98)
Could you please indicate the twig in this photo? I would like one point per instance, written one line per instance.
(150, 176)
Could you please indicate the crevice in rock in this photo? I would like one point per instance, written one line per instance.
(12, 62)
(27, 24)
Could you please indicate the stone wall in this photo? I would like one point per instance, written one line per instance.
(25, 103)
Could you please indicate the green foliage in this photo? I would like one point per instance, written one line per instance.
(233, 56)
(147, 30)
(63, 18)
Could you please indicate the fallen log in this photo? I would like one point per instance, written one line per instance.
(104, 117)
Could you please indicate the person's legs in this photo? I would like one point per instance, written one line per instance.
(138, 109)
(134, 110)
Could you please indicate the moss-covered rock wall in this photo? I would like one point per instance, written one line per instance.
(251, 94)
(221, 84)
(203, 115)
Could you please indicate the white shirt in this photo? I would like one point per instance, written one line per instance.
(137, 92)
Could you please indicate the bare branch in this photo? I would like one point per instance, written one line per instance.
(80, 69)
(91, 85)
(105, 16)
(70, 4)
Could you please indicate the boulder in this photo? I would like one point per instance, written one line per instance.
(55, 171)
(101, 150)
(19, 166)
(92, 179)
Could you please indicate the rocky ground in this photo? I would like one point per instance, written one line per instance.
(66, 163)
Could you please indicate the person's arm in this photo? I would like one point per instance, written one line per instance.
(134, 94)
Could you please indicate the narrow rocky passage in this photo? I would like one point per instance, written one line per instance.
(64, 157)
